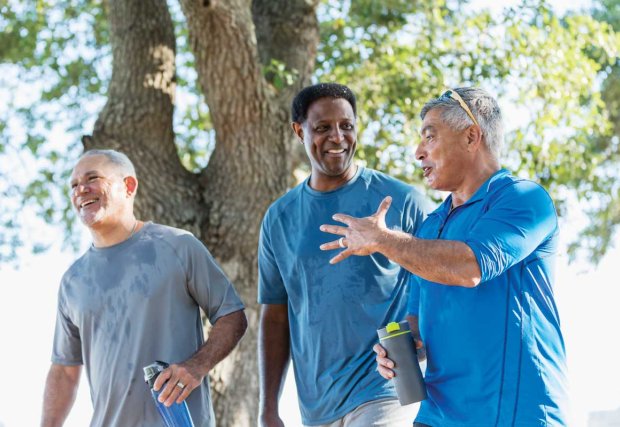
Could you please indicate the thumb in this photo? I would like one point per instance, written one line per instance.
(384, 206)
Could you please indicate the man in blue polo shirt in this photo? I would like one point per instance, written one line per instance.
(323, 317)
(483, 284)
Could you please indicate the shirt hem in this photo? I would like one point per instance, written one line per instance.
(439, 423)
(65, 362)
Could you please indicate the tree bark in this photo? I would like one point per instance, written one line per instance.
(137, 118)
(251, 164)
(253, 158)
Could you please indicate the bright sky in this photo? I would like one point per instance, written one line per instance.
(587, 303)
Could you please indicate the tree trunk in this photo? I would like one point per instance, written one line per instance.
(252, 162)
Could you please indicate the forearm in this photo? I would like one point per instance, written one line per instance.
(448, 262)
(223, 337)
(273, 357)
(60, 391)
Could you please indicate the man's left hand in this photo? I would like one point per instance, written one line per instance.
(178, 380)
(361, 236)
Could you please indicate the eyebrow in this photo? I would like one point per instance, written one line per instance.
(87, 173)
(425, 128)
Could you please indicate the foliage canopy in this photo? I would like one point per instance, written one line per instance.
(557, 78)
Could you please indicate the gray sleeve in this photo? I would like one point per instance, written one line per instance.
(67, 346)
(207, 283)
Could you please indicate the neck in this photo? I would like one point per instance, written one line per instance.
(113, 234)
(474, 180)
(332, 183)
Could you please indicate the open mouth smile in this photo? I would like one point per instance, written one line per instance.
(86, 203)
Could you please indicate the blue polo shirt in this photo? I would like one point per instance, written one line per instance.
(335, 310)
(495, 352)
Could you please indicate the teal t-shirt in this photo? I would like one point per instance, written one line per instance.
(335, 310)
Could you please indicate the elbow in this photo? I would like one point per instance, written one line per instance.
(243, 324)
(472, 282)
(472, 276)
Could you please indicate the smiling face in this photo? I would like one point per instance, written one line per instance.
(443, 153)
(329, 136)
(100, 194)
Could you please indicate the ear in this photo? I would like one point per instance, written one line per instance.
(298, 129)
(474, 138)
(132, 185)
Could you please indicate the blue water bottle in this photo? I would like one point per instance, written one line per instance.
(177, 415)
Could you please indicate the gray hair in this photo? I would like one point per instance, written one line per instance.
(118, 159)
(484, 108)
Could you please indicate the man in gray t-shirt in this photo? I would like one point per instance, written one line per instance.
(135, 297)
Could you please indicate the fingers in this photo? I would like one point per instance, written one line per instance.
(385, 373)
(184, 393)
(346, 219)
(379, 350)
(384, 364)
(171, 393)
(341, 256)
(177, 383)
(333, 229)
(331, 245)
(162, 378)
(384, 206)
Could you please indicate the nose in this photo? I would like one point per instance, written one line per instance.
(420, 154)
(81, 188)
(336, 135)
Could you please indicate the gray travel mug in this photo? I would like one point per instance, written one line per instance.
(397, 340)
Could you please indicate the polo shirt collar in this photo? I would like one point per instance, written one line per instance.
(480, 194)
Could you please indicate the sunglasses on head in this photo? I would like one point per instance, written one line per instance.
(451, 93)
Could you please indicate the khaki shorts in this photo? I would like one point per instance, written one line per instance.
(378, 413)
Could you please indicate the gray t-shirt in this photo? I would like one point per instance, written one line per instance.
(122, 307)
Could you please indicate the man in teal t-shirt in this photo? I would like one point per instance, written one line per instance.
(325, 317)
(483, 284)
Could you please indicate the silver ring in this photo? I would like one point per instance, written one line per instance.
(180, 385)
(341, 242)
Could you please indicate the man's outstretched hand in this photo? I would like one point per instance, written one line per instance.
(361, 236)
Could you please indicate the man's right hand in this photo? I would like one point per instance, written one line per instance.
(385, 365)
(270, 420)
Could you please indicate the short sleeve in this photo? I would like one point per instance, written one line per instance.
(416, 209)
(207, 283)
(413, 301)
(67, 346)
(271, 288)
(517, 221)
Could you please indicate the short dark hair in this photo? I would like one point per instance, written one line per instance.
(309, 94)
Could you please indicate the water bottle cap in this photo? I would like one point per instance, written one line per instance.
(152, 371)
(392, 327)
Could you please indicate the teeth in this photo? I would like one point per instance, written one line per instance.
(89, 202)
(336, 151)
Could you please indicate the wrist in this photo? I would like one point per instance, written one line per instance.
(383, 240)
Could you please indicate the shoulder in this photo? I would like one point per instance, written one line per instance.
(282, 203)
(509, 186)
(520, 197)
(75, 270)
(175, 238)
(401, 192)
(383, 182)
